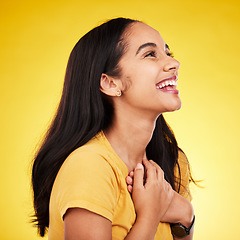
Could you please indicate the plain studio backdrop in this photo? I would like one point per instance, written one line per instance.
(36, 40)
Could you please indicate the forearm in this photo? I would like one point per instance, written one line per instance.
(145, 230)
(142, 230)
(180, 210)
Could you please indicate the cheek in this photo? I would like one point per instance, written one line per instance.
(126, 83)
(140, 79)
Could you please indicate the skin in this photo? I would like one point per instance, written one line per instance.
(136, 111)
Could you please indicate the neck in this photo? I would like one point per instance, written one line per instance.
(129, 137)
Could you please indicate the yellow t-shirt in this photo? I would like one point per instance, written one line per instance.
(93, 178)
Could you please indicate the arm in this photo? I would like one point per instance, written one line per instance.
(82, 224)
(183, 211)
(180, 209)
(151, 201)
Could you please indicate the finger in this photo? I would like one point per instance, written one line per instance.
(160, 172)
(138, 176)
(131, 174)
(154, 164)
(129, 180)
(164, 183)
(151, 173)
(129, 188)
(145, 156)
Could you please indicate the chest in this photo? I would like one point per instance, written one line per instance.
(124, 216)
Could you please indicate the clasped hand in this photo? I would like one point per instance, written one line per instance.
(153, 197)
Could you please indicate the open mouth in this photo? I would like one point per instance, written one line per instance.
(168, 85)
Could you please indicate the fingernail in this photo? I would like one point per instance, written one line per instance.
(139, 166)
(129, 179)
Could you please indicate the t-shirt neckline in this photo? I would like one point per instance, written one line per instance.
(120, 163)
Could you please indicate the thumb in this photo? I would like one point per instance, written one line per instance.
(138, 176)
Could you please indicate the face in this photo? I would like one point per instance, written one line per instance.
(149, 72)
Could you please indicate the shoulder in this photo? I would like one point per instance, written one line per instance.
(84, 157)
(96, 155)
(184, 172)
(183, 164)
(93, 155)
(83, 163)
(86, 180)
(182, 158)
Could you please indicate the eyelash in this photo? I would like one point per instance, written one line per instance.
(153, 54)
(170, 54)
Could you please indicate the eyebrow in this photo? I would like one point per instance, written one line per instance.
(149, 44)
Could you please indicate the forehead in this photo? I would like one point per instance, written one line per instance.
(140, 33)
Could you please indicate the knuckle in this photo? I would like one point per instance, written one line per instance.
(161, 171)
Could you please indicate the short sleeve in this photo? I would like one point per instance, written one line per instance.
(86, 180)
(185, 175)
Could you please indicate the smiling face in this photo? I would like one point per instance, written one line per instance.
(148, 71)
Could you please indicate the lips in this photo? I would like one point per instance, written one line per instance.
(168, 85)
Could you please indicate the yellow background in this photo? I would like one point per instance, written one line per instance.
(36, 39)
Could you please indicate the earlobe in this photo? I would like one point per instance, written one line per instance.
(109, 86)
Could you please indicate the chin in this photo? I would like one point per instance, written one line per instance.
(175, 106)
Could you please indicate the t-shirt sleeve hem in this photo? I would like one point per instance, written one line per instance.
(88, 206)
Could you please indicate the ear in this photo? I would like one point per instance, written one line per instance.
(109, 85)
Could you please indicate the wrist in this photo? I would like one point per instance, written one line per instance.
(182, 209)
(187, 218)
(180, 231)
(148, 222)
(142, 229)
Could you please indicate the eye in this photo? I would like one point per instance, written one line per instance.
(151, 54)
(170, 54)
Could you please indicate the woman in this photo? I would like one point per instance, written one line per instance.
(119, 80)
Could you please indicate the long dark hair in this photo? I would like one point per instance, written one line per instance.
(84, 111)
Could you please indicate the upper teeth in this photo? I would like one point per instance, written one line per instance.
(167, 83)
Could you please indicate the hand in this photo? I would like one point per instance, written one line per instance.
(152, 196)
(129, 181)
(180, 209)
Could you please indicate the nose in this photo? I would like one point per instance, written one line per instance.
(171, 64)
